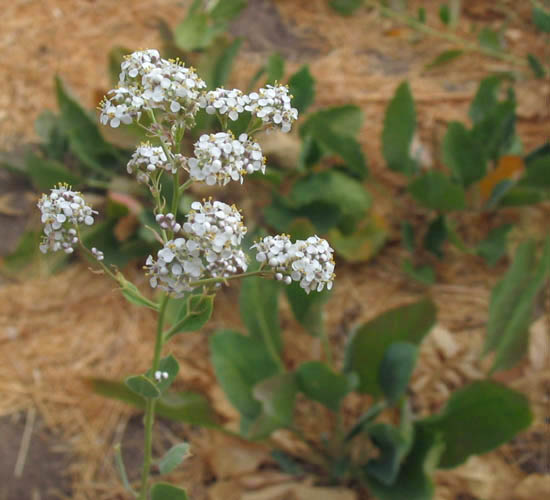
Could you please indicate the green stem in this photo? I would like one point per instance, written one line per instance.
(326, 345)
(209, 281)
(150, 404)
(451, 37)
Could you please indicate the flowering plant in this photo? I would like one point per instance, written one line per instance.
(203, 251)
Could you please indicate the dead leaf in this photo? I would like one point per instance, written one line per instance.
(224, 490)
(533, 486)
(7, 205)
(300, 491)
(230, 457)
(125, 227)
(508, 168)
(539, 344)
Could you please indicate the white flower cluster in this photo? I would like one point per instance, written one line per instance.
(148, 82)
(161, 375)
(272, 105)
(147, 159)
(62, 211)
(98, 254)
(308, 262)
(220, 158)
(225, 102)
(211, 248)
(168, 221)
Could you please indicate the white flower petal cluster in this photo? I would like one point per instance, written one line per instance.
(220, 158)
(147, 159)
(168, 221)
(62, 211)
(225, 102)
(98, 254)
(308, 262)
(148, 82)
(272, 105)
(210, 249)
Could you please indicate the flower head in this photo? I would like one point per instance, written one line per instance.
(63, 211)
(148, 159)
(210, 248)
(272, 105)
(308, 262)
(220, 158)
(225, 102)
(147, 82)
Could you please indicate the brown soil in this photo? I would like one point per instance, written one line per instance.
(56, 330)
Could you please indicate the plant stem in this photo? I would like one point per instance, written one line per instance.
(326, 345)
(451, 37)
(209, 281)
(150, 404)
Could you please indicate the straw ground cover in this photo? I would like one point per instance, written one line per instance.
(51, 338)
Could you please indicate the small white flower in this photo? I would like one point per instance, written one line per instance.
(225, 102)
(220, 158)
(273, 105)
(210, 249)
(98, 254)
(148, 159)
(63, 211)
(308, 262)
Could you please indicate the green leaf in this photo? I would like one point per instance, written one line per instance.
(165, 491)
(489, 39)
(224, 64)
(307, 307)
(302, 88)
(132, 294)
(445, 57)
(512, 303)
(366, 349)
(239, 364)
(493, 247)
(319, 383)
(170, 365)
(414, 479)
(194, 313)
(275, 68)
(341, 120)
(173, 457)
(399, 127)
(424, 274)
(435, 190)
(536, 66)
(407, 236)
(422, 15)
(345, 7)
(142, 386)
(396, 369)
(478, 418)
(188, 407)
(85, 140)
(365, 420)
(287, 463)
(331, 186)
(348, 148)
(277, 395)
(541, 19)
(365, 240)
(445, 14)
(259, 305)
(486, 98)
(463, 155)
(225, 10)
(436, 236)
(537, 173)
(394, 444)
(45, 173)
(195, 32)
